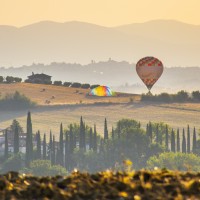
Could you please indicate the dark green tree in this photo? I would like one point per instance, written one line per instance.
(166, 138)
(6, 146)
(50, 147)
(183, 142)
(39, 156)
(194, 146)
(178, 141)
(29, 142)
(53, 158)
(82, 135)
(61, 153)
(105, 130)
(44, 148)
(91, 140)
(71, 140)
(67, 154)
(113, 134)
(157, 135)
(150, 132)
(95, 139)
(188, 139)
(16, 140)
(173, 141)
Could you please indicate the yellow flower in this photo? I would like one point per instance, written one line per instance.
(123, 194)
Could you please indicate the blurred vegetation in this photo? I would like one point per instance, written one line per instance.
(15, 101)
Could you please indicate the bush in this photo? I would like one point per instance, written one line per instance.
(85, 86)
(93, 86)
(67, 84)
(175, 161)
(58, 83)
(196, 95)
(1, 79)
(17, 80)
(9, 79)
(44, 168)
(16, 101)
(14, 163)
(76, 85)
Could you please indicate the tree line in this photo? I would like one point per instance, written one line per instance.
(181, 96)
(10, 79)
(80, 146)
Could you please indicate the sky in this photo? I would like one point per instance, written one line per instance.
(102, 12)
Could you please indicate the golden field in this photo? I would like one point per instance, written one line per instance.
(66, 108)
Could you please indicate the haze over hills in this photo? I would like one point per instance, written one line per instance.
(175, 43)
(121, 76)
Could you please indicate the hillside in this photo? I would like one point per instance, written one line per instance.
(176, 43)
(93, 109)
(59, 95)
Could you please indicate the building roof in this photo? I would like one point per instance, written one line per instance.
(39, 76)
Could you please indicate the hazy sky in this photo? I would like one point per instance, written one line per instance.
(102, 12)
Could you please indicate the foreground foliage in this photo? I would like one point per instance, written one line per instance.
(158, 184)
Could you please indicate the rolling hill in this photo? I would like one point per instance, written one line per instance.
(176, 43)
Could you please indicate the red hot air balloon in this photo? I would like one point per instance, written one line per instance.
(149, 69)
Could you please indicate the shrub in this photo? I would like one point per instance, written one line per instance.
(44, 168)
(67, 84)
(9, 79)
(85, 86)
(16, 101)
(196, 95)
(175, 161)
(76, 85)
(17, 80)
(1, 79)
(14, 163)
(57, 83)
(94, 86)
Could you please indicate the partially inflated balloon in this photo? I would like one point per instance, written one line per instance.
(149, 69)
(101, 91)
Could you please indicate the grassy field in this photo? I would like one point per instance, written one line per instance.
(46, 117)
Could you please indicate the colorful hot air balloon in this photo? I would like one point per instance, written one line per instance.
(101, 91)
(149, 69)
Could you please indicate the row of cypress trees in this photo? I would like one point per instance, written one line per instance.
(61, 152)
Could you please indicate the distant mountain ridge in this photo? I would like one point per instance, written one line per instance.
(175, 43)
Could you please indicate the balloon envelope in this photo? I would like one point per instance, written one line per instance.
(102, 91)
(149, 69)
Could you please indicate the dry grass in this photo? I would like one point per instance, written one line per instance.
(58, 95)
(50, 116)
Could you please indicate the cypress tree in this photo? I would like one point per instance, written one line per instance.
(183, 142)
(38, 145)
(90, 140)
(166, 138)
(71, 140)
(188, 139)
(16, 140)
(50, 146)
(113, 134)
(61, 153)
(101, 147)
(66, 151)
(105, 130)
(157, 134)
(150, 132)
(29, 142)
(178, 141)
(44, 148)
(53, 158)
(82, 135)
(194, 146)
(95, 139)
(173, 141)
(119, 130)
(6, 146)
